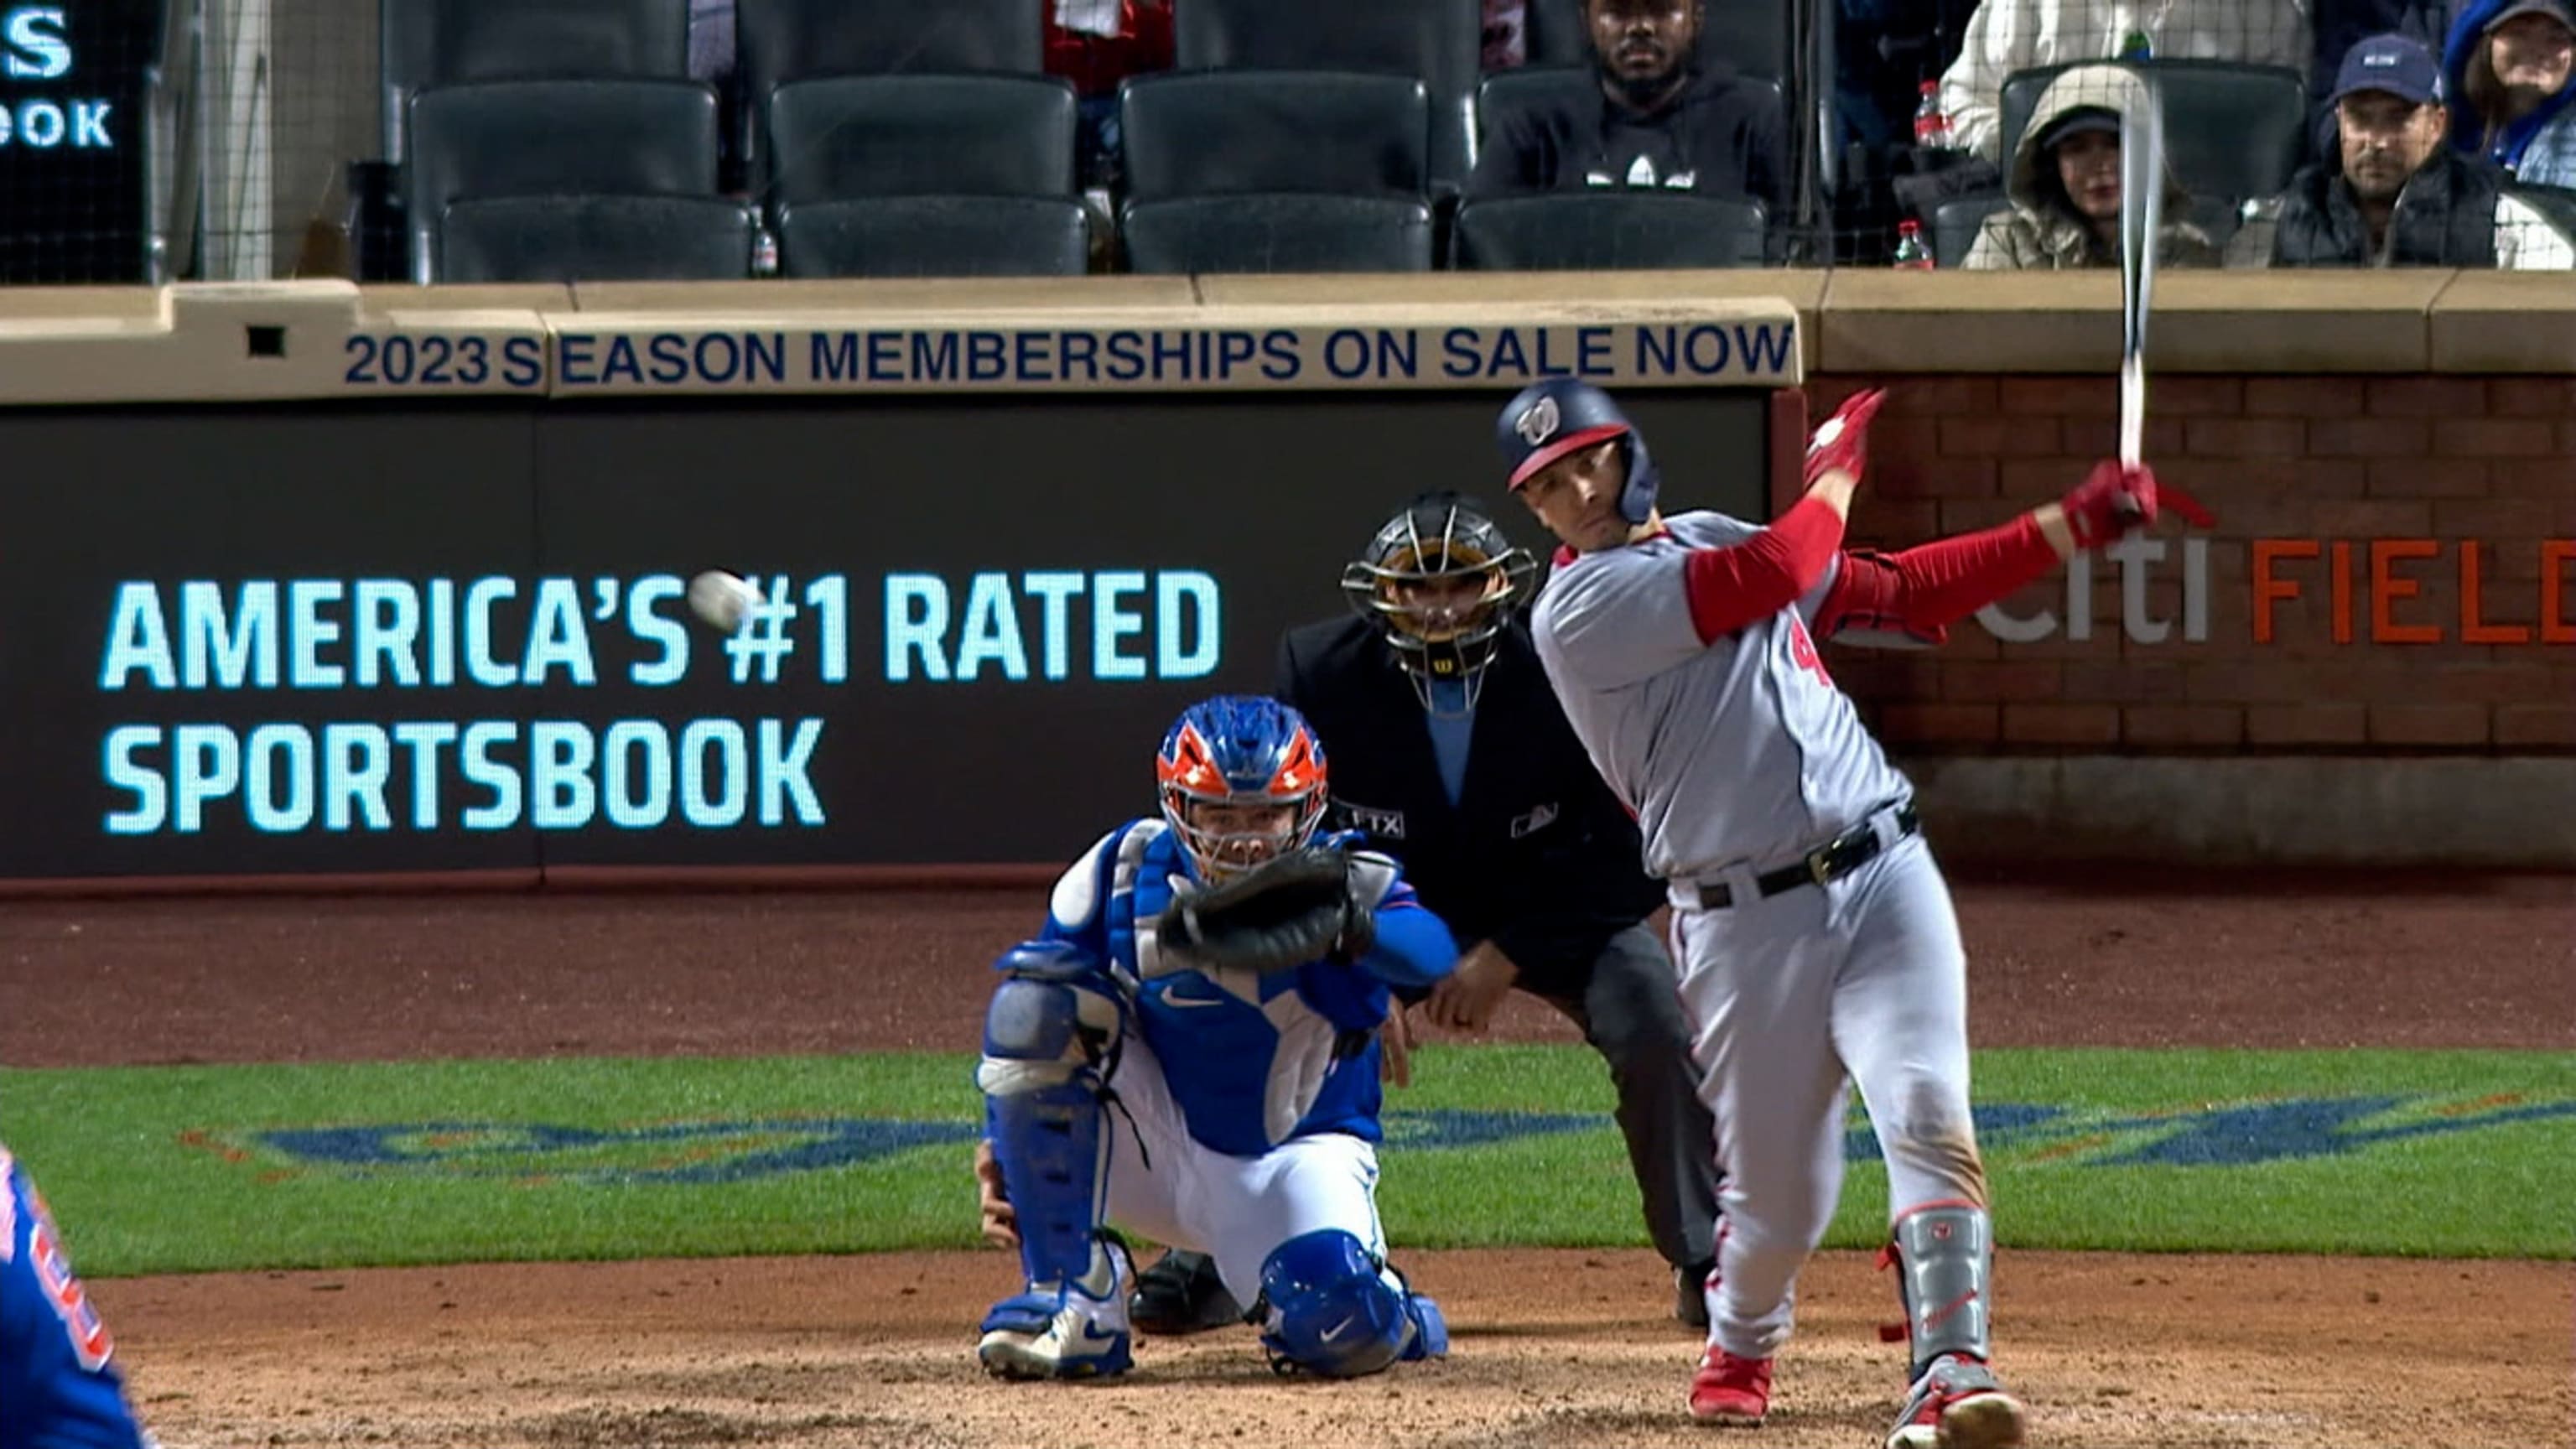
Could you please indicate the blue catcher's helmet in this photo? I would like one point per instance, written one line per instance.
(1239, 749)
(1564, 415)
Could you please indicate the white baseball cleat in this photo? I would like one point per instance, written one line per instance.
(1075, 1330)
(1959, 1404)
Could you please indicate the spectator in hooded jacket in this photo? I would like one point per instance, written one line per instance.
(2508, 65)
(1659, 120)
(2397, 195)
(2065, 184)
(2009, 35)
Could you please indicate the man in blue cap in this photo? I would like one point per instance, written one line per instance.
(2398, 196)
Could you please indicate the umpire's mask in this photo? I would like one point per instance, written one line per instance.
(1440, 580)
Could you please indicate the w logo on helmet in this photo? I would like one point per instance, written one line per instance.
(1539, 422)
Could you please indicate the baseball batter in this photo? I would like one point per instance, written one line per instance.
(1813, 931)
(1221, 986)
(59, 1387)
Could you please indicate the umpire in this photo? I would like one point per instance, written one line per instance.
(1449, 750)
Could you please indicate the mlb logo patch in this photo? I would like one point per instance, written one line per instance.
(1535, 821)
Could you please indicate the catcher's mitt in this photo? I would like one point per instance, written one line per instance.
(1277, 916)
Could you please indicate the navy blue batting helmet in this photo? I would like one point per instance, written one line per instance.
(1563, 415)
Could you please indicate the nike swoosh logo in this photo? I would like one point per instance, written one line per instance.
(1934, 1319)
(1334, 1332)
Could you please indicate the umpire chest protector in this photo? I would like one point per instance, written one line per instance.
(1536, 854)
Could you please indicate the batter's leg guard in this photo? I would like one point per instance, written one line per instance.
(1050, 1041)
(1331, 1312)
(1944, 1257)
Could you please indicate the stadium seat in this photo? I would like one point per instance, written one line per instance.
(2557, 203)
(785, 40)
(1756, 37)
(920, 135)
(1956, 224)
(2231, 130)
(1607, 231)
(1278, 233)
(1269, 131)
(936, 236)
(1439, 42)
(595, 239)
(427, 43)
(541, 138)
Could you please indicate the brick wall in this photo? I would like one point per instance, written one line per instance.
(2393, 570)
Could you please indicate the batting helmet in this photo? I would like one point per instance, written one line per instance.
(1239, 749)
(1563, 415)
(1440, 580)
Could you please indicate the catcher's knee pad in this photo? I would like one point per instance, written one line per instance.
(1050, 1036)
(1333, 1313)
(1944, 1255)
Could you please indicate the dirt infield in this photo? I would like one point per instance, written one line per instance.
(1555, 1349)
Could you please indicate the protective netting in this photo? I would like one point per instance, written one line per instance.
(147, 140)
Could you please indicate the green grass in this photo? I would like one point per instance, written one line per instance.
(176, 1168)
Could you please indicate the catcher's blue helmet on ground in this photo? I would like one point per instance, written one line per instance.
(1563, 415)
(1240, 749)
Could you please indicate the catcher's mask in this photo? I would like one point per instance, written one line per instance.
(1440, 580)
(1240, 750)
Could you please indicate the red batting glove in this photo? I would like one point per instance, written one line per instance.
(2114, 499)
(1842, 441)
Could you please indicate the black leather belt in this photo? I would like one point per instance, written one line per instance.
(1830, 861)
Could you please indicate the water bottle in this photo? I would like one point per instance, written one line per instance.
(2137, 45)
(1931, 124)
(764, 253)
(1911, 253)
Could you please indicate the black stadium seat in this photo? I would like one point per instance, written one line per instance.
(936, 236)
(1608, 230)
(921, 135)
(1439, 42)
(2231, 130)
(1956, 224)
(1278, 233)
(426, 43)
(596, 239)
(540, 138)
(1245, 131)
(784, 40)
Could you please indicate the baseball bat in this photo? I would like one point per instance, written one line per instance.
(2142, 171)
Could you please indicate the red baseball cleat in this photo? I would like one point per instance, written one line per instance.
(1730, 1390)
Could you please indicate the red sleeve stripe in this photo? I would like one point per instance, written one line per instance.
(1734, 586)
(1925, 589)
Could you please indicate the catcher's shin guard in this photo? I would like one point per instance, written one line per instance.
(1331, 1311)
(1944, 1254)
(1050, 1039)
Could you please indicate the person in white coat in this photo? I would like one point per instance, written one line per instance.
(2004, 36)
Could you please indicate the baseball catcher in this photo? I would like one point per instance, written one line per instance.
(1218, 975)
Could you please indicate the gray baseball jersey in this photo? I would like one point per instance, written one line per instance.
(1733, 751)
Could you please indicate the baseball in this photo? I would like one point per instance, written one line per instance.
(721, 598)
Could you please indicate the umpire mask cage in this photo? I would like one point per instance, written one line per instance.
(1240, 750)
(1440, 581)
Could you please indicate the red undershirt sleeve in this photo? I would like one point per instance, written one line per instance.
(1733, 586)
(1922, 590)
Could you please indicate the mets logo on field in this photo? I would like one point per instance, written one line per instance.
(1538, 422)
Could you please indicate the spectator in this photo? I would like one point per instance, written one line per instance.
(1095, 44)
(1661, 120)
(2065, 184)
(2507, 66)
(2399, 198)
(1506, 40)
(2009, 35)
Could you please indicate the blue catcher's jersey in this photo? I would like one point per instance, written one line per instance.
(58, 1389)
(1251, 1060)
